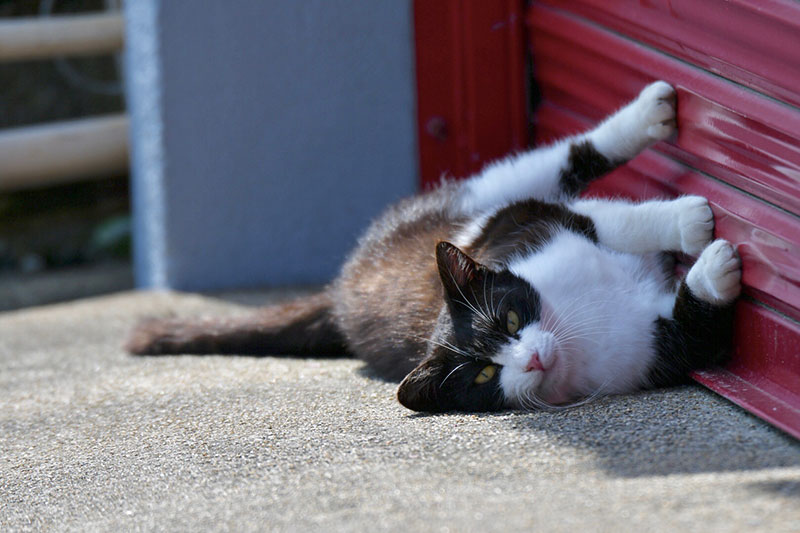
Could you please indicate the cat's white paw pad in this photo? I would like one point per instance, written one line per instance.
(695, 224)
(716, 277)
(655, 108)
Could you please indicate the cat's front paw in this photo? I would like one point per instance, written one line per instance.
(695, 224)
(716, 277)
(655, 110)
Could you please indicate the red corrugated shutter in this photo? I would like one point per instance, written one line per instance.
(736, 66)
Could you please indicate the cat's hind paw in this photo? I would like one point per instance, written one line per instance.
(154, 337)
(647, 119)
(695, 224)
(716, 277)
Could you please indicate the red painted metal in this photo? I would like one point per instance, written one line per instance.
(471, 103)
(756, 44)
(734, 134)
(745, 152)
(764, 375)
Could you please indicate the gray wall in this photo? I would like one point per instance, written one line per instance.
(265, 135)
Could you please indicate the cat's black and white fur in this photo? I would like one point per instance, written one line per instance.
(506, 290)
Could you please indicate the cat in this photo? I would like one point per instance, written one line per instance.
(507, 290)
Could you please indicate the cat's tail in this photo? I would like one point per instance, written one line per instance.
(304, 326)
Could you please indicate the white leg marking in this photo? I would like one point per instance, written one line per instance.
(716, 277)
(537, 173)
(532, 174)
(685, 224)
(695, 223)
(649, 118)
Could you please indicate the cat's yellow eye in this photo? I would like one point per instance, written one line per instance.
(512, 321)
(486, 374)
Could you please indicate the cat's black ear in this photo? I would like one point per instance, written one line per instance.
(419, 391)
(456, 269)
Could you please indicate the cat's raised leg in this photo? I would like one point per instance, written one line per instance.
(565, 168)
(682, 225)
(700, 331)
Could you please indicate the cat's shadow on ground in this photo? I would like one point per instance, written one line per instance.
(683, 430)
(778, 488)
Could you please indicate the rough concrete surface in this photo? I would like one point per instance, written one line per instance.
(92, 439)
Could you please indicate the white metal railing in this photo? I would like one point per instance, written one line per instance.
(33, 156)
(59, 152)
(62, 35)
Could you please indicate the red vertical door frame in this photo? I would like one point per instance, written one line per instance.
(471, 87)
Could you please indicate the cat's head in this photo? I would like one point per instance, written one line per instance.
(491, 348)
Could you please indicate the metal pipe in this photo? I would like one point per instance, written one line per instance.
(61, 35)
(35, 156)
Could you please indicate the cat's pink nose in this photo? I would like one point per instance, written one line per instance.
(534, 363)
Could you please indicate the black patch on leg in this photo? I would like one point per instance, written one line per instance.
(699, 335)
(584, 165)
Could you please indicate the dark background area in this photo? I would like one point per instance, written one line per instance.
(80, 224)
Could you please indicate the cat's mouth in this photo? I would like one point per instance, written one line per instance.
(553, 379)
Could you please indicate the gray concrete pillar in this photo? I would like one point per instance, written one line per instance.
(265, 135)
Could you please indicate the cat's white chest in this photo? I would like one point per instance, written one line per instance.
(604, 305)
(571, 266)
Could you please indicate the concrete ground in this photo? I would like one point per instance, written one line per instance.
(92, 439)
(27, 290)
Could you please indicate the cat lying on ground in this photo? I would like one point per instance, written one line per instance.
(506, 290)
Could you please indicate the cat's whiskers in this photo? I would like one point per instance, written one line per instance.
(577, 325)
(570, 309)
(451, 373)
(446, 345)
(571, 338)
(491, 291)
(530, 400)
(600, 391)
(500, 303)
(590, 324)
(484, 294)
(579, 328)
(471, 307)
(466, 301)
(485, 310)
(566, 328)
(488, 309)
